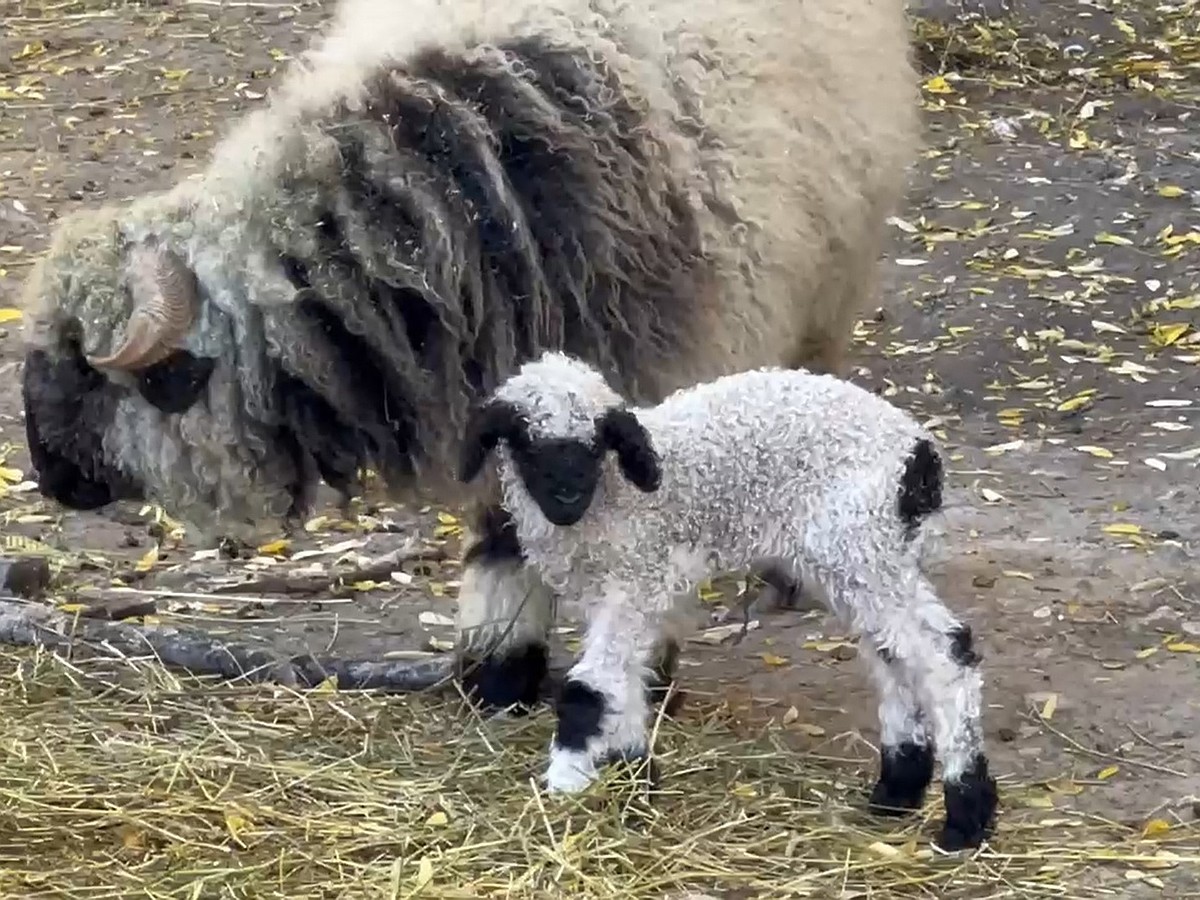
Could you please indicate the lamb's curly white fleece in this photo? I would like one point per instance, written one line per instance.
(770, 463)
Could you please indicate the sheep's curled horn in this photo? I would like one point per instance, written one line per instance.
(165, 305)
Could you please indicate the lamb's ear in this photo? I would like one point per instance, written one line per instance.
(619, 430)
(488, 424)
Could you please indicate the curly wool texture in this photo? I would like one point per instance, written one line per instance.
(809, 472)
(763, 464)
(437, 191)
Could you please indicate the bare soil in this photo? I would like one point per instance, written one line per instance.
(1032, 264)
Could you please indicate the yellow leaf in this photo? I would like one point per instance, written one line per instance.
(772, 660)
(1076, 402)
(1146, 653)
(1040, 802)
(938, 85)
(1122, 528)
(8, 314)
(811, 730)
(446, 519)
(148, 560)
(71, 608)
(1105, 237)
(1125, 28)
(424, 872)
(1108, 772)
(1096, 451)
(175, 74)
(236, 823)
(364, 585)
(1049, 707)
(1166, 335)
(1170, 191)
(328, 686)
(438, 818)
(274, 548)
(1183, 647)
(1155, 827)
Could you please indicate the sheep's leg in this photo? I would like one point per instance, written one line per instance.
(934, 651)
(504, 615)
(906, 750)
(604, 703)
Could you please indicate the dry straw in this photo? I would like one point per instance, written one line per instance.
(120, 779)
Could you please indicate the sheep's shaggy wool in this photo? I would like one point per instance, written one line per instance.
(625, 510)
(671, 189)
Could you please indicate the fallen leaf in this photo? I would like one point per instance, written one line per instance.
(439, 818)
(772, 660)
(1121, 528)
(1156, 827)
(149, 558)
(273, 548)
(328, 686)
(1107, 772)
(1170, 191)
(1049, 707)
(432, 618)
(8, 314)
(1100, 452)
(1183, 647)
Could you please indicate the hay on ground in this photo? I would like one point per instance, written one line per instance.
(119, 778)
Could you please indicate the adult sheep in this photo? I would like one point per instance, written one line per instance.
(670, 190)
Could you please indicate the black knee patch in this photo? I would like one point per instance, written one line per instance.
(580, 709)
(905, 772)
(970, 807)
(497, 538)
(962, 649)
(510, 679)
(920, 485)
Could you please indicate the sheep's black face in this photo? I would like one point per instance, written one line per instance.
(560, 474)
(68, 408)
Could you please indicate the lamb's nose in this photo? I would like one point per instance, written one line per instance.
(567, 496)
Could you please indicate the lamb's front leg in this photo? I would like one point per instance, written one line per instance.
(604, 704)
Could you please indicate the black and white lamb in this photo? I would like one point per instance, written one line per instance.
(769, 464)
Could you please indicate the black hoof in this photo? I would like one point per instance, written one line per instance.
(905, 774)
(512, 680)
(970, 808)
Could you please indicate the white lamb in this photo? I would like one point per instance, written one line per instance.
(771, 464)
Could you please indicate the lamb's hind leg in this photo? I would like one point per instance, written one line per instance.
(933, 649)
(504, 615)
(906, 749)
(604, 703)
(926, 671)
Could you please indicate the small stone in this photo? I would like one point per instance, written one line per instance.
(26, 577)
(1192, 628)
(1007, 735)
(844, 652)
(1163, 617)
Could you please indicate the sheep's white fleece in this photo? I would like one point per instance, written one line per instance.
(775, 464)
(765, 463)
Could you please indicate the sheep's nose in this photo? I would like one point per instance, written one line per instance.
(567, 496)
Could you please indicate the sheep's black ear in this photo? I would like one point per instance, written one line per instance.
(487, 425)
(620, 431)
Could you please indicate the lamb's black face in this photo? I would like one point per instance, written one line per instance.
(560, 474)
(68, 408)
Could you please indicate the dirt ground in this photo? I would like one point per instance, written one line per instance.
(1040, 307)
